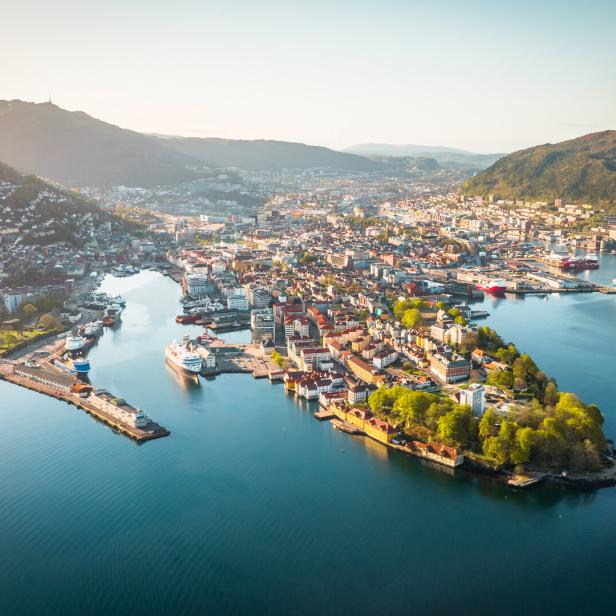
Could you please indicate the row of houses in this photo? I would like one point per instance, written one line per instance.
(382, 431)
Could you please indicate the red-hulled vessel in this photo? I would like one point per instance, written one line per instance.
(495, 286)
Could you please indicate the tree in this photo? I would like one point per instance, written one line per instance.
(435, 411)
(488, 425)
(278, 359)
(10, 338)
(382, 398)
(48, 321)
(29, 310)
(411, 406)
(401, 306)
(522, 449)
(46, 304)
(494, 449)
(458, 425)
(550, 396)
(411, 318)
(489, 339)
(500, 378)
(508, 354)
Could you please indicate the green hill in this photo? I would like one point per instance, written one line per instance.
(579, 170)
(44, 214)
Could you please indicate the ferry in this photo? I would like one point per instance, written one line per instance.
(567, 262)
(494, 286)
(74, 343)
(183, 358)
(92, 329)
(118, 300)
(124, 270)
(112, 316)
(74, 365)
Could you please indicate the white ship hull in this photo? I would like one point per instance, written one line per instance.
(183, 362)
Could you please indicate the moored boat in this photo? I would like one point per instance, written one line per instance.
(74, 365)
(495, 286)
(187, 319)
(74, 342)
(183, 358)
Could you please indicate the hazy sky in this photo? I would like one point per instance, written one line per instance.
(487, 76)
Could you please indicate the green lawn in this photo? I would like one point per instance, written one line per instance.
(10, 338)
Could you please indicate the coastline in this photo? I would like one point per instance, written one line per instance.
(586, 481)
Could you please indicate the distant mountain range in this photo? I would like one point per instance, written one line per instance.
(266, 155)
(579, 170)
(42, 213)
(74, 148)
(443, 155)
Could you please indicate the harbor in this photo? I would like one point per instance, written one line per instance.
(239, 447)
(59, 368)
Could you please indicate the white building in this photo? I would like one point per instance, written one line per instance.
(197, 285)
(262, 325)
(474, 396)
(237, 302)
(384, 358)
(118, 408)
(297, 325)
(208, 358)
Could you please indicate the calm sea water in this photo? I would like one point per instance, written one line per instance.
(253, 507)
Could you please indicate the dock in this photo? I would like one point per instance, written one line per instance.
(242, 358)
(345, 426)
(324, 415)
(150, 432)
(525, 481)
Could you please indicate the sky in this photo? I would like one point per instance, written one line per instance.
(485, 76)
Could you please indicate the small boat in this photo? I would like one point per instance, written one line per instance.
(111, 316)
(187, 319)
(118, 300)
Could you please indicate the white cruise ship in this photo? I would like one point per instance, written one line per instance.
(182, 358)
(74, 343)
(92, 329)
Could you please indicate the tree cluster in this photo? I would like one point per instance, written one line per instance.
(408, 312)
(568, 434)
(452, 423)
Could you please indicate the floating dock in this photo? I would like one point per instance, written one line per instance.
(324, 415)
(525, 481)
(347, 427)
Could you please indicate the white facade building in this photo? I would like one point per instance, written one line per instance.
(474, 396)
